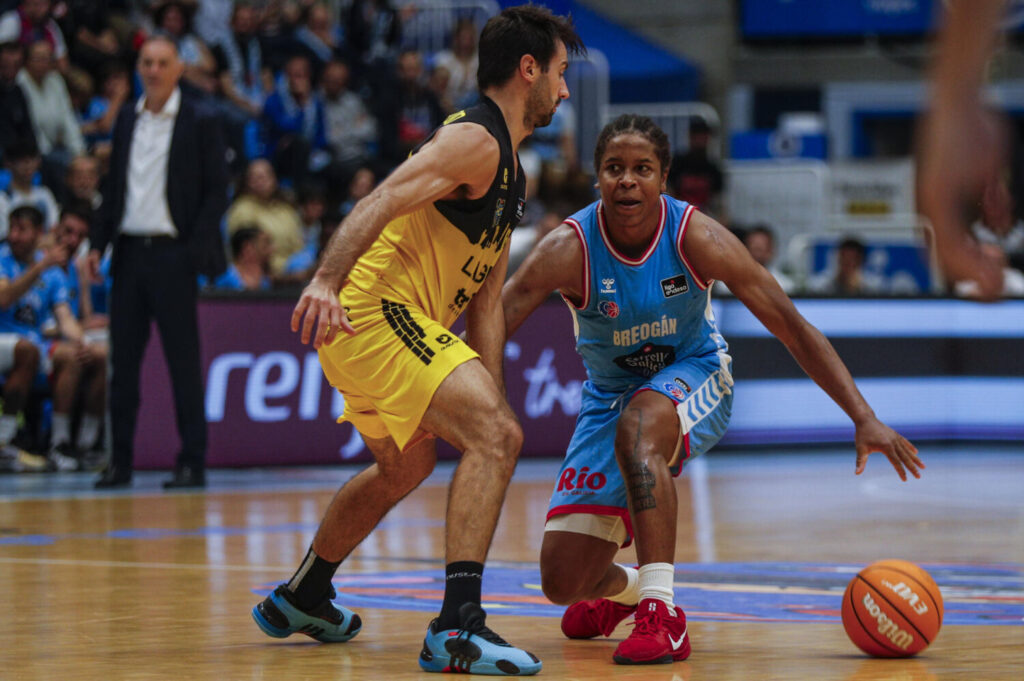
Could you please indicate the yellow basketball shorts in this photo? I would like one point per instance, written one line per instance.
(389, 370)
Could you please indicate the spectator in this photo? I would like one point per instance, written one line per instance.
(462, 62)
(90, 348)
(101, 112)
(83, 181)
(374, 32)
(555, 144)
(239, 61)
(15, 116)
(760, 241)
(694, 176)
(351, 128)
(163, 201)
(437, 83)
(23, 160)
(53, 117)
(360, 186)
(174, 19)
(250, 261)
(999, 223)
(31, 290)
(261, 203)
(94, 44)
(32, 23)
(293, 121)
(848, 277)
(413, 112)
(319, 37)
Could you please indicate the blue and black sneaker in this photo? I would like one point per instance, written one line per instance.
(279, 616)
(474, 649)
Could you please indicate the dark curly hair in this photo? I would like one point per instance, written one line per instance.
(633, 124)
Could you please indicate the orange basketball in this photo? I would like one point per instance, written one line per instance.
(892, 608)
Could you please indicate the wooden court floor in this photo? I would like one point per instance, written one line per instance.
(143, 584)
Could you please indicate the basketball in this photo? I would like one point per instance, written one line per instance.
(892, 608)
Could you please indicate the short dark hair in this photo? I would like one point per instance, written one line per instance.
(633, 124)
(27, 212)
(241, 237)
(517, 31)
(79, 208)
(20, 149)
(853, 243)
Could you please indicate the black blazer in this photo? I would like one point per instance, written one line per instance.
(197, 184)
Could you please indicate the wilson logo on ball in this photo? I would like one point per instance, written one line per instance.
(907, 594)
(886, 626)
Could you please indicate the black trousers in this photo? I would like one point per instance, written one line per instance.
(153, 278)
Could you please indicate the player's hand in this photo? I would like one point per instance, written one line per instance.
(320, 305)
(874, 436)
(56, 254)
(92, 265)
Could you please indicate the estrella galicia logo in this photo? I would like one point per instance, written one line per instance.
(445, 340)
(682, 384)
(648, 360)
(608, 309)
(673, 286)
(673, 390)
(608, 285)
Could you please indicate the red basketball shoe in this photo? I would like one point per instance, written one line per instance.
(659, 636)
(588, 619)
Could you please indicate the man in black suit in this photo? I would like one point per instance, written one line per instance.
(162, 204)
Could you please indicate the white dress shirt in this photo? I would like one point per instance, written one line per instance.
(146, 212)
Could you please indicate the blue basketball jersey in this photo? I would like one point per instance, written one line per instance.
(640, 315)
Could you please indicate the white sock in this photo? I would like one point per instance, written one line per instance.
(61, 430)
(88, 432)
(8, 428)
(655, 581)
(631, 594)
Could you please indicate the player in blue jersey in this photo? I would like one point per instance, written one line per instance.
(635, 269)
(32, 288)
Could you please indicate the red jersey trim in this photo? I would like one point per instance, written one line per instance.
(683, 224)
(650, 249)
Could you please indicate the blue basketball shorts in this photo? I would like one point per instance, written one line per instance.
(590, 482)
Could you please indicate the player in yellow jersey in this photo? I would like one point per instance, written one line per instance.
(426, 245)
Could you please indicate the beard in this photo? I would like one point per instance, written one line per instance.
(539, 110)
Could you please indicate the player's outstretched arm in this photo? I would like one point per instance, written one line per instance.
(716, 254)
(461, 160)
(554, 264)
(960, 147)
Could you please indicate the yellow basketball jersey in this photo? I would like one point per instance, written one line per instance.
(436, 258)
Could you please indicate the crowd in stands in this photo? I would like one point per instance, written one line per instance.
(316, 107)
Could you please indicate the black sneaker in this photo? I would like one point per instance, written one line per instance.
(279, 616)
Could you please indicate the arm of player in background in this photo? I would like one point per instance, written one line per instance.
(485, 322)
(960, 147)
(717, 254)
(67, 324)
(554, 264)
(463, 156)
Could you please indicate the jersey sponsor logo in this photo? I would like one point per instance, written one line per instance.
(579, 482)
(673, 286)
(454, 117)
(607, 285)
(445, 340)
(675, 391)
(479, 269)
(682, 384)
(461, 298)
(666, 326)
(648, 360)
(520, 209)
(608, 309)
